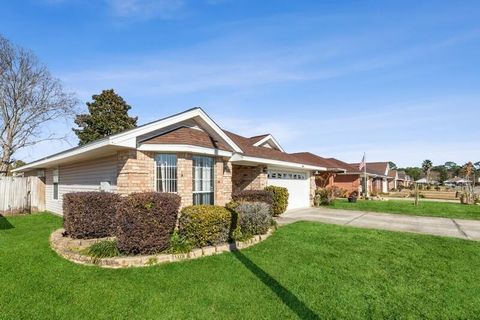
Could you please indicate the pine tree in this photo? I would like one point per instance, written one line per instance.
(108, 114)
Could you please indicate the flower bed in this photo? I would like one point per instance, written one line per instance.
(72, 249)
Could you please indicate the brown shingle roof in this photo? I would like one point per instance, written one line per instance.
(378, 168)
(347, 166)
(185, 135)
(261, 152)
(255, 139)
(320, 161)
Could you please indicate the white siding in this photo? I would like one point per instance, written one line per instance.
(84, 176)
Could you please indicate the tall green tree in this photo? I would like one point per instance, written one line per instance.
(107, 115)
(442, 172)
(392, 165)
(413, 172)
(426, 167)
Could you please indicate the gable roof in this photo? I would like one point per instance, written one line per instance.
(251, 150)
(186, 135)
(128, 139)
(377, 168)
(392, 174)
(174, 133)
(270, 140)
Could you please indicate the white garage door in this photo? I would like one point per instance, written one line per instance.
(298, 186)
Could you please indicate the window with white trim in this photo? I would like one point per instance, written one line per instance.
(273, 174)
(203, 180)
(166, 172)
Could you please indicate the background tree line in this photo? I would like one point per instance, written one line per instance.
(444, 171)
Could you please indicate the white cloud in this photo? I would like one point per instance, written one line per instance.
(145, 9)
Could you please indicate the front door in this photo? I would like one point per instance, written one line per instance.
(203, 180)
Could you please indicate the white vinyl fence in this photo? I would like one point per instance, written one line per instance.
(21, 194)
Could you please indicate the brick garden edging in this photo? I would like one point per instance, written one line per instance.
(69, 249)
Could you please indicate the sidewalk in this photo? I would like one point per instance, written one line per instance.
(458, 228)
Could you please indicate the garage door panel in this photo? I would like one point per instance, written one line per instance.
(298, 189)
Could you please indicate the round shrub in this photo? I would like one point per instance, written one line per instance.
(88, 215)
(204, 225)
(280, 199)
(253, 196)
(253, 218)
(146, 222)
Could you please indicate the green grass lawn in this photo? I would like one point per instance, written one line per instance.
(424, 208)
(305, 270)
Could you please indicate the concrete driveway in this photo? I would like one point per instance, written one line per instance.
(458, 228)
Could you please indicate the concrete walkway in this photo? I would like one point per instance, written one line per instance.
(458, 228)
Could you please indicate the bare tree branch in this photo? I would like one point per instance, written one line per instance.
(29, 98)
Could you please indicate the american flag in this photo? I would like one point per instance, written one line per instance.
(362, 163)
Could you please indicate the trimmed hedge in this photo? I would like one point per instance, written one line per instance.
(253, 218)
(204, 225)
(280, 199)
(146, 222)
(88, 215)
(253, 196)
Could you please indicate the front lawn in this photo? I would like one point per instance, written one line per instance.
(424, 208)
(305, 270)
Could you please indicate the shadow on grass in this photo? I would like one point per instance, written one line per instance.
(288, 298)
(5, 224)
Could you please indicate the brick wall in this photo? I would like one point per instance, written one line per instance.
(223, 181)
(313, 188)
(185, 178)
(348, 182)
(248, 178)
(135, 171)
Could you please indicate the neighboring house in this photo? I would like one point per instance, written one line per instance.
(188, 154)
(457, 181)
(393, 180)
(351, 180)
(378, 175)
(404, 179)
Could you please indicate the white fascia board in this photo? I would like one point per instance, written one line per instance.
(267, 138)
(286, 164)
(129, 139)
(64, 154)
(183, 148)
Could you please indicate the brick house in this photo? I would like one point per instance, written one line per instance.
(188, 154)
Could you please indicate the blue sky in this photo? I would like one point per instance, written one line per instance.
(398, 80)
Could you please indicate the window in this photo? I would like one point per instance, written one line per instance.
(55, 184)
(55, 191)
(283, 175)
(166, 176)
(203, 180)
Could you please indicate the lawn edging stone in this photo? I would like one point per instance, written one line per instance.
(71, 249)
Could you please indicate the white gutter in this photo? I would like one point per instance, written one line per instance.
(238, 157)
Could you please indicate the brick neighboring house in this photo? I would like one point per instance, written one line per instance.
(378, 173)
(188, 154)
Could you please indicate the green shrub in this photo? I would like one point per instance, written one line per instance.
(280, 199)
(146, 222)
(179, 244)
(204, 225)
(103, 249)
(253, 218)
(325, 196)
(253, 196)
